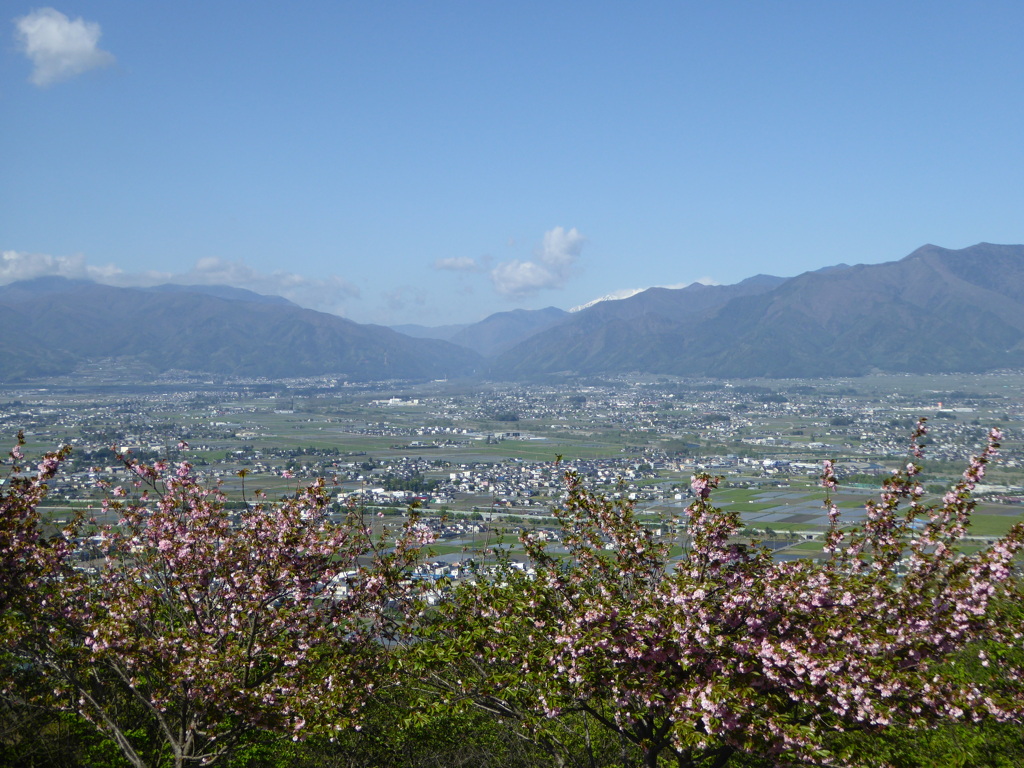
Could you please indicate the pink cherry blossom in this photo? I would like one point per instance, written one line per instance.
(726, 650)
(221, 623)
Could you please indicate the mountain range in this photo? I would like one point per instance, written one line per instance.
(55, 325)
(936, 310)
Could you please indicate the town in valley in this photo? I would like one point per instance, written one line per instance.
(479, 462)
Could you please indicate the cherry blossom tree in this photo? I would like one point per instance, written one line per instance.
(33, 554)
(204, 624)
(26, 554)
(727, 652)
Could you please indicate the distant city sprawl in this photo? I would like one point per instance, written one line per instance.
(489, 453)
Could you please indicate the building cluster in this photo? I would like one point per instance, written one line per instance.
(495, 447)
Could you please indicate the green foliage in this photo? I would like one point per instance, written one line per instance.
(416, 483)
(958, 744)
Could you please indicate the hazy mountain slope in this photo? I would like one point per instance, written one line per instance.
(625, 334)
(492, 335)
(200, 332)
(443, 332)
(935, 310)
(222, 292)
(503, 330)
(677, 303)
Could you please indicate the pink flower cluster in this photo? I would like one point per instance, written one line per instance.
(728, 650)
(213, 620)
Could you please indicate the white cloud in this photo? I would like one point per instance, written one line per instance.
(457, 264)
(16, 266)
(551, 267)
(58, 47)
(561, 248)
(328, 293)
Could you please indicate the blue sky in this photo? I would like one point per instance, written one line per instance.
(411, 162)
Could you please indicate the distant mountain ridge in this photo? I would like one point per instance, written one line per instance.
(55, 325)
(222, 292)
(442, 332)
(935, 310)
(607, 297)
(492, 335)
(503, 330)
